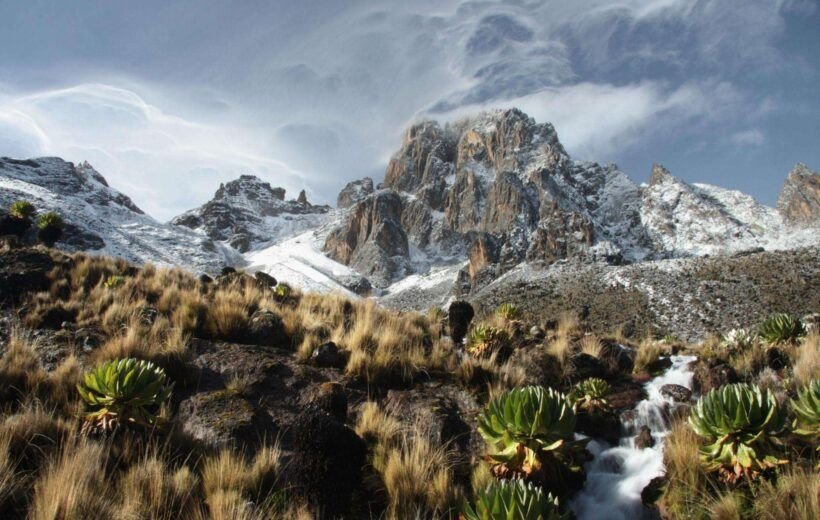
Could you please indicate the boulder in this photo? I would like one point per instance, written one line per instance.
(266, 328)
(678, 393)
(537, 332)
(328, 355)
(776, 359)
(459, 315)
(218, 418)
(23, 271)
(617, 359)
(587, 366)
(265, 280)
(327, 461)
(707, 377)
(644, 438)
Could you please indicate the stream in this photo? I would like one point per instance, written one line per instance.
(617, 474)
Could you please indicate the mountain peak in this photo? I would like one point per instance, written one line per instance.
(799, 199)
(248, 213)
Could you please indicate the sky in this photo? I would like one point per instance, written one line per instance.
(169, 98)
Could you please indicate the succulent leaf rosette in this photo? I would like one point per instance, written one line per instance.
(520, 424)
(123, 391)
(740, 424)
(806, 408)
(781, 328)
(590, 394)
(513, 500)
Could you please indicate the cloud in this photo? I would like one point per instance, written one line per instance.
(753, 138)
(315, 96)
(163, 161)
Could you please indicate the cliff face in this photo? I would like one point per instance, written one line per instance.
(799, 200)
(497, 179)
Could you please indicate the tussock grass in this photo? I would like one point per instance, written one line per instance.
(807, 359)
(794, 494)
(648, 353)
(591, 345)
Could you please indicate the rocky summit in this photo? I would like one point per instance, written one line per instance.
(499, 190)
(490, 204)
(247, 212)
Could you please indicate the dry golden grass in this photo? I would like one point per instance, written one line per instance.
(568, 324)
(648, 353)
(149, 489)
(229, 473)
(375, 426)
(807, 360)
(591, 345)
(728, 506)
(74, 486)
(688, 483)
(418, 480)
(794, 495)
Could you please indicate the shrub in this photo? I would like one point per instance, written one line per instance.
(806, 409)
(513, 499)
(123, 391)
(22, 209)
(522, 423)
(49, 219)
(740, 423)
(737, 340)
(282, 291)
(484, 339)
(51, 228)
(590, 394)
(113, 281)
(781, 328)
(508, 311)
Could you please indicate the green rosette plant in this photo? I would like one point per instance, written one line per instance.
(806, 408)
(508, 311)
(123, 391)
(781, 328)
(484, 339)
(522, 424)
(740, 424)
(513, 500)
(590, 394)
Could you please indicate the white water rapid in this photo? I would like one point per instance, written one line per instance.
(618, 474)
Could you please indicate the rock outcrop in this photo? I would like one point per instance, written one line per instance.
(500, 189)
(372, 239)
(247, 213)
(354, 192)
(799, 200)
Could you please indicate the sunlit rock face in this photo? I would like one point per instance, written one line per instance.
(799, 200)
(248, 213)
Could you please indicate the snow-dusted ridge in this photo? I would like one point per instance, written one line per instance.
(103, 220)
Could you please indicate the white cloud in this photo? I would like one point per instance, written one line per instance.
(753, 137)
(164, 162)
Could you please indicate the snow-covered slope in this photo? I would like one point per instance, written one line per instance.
(699, 219)
(249, 214)
(101, 219)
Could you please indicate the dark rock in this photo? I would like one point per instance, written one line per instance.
(358, 285)
(54, 316)
(604, 426)
(678, 393)
(265, 280)
(218, 418)
(617, 359)
(644, 438)
(537, 332)
(459, 315)
(776, 359)
(302, 198)
(240, 241)
(653, 491)
(659, 365)
(706, 378)
(205, 279)
(14, 226)
(331, 398)
(49, 235)
(328, 460)
(227, 271)
(328, 355)
(88, 339)
(587, 366)
(266, 328)
(23, 271)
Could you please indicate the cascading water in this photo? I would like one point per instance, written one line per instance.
(617, 474)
